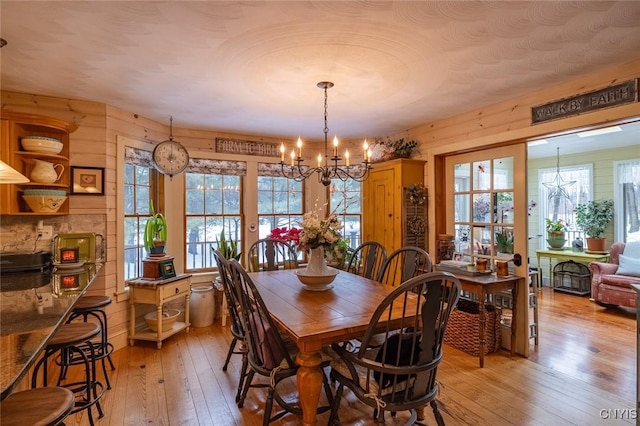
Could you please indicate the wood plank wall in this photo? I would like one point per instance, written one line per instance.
(94, 144)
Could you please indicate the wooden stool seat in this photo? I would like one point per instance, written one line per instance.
(74, 334)
(91, 303)
(39, 406)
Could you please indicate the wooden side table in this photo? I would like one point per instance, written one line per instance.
(157, 292)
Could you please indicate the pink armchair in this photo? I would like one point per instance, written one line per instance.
(609, 289)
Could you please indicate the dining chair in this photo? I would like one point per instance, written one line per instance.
(237, 328)
(403, 264)
(268, 354)
(270, 254)
(400, 375)
(367, 259)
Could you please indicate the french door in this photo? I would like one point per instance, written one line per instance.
(486, 206)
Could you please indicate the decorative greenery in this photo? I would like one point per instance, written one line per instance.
(504, 241)
(555, 225)
(155, 229)
(228, 248)
(386, 149)
(417, 194)
(339, 253)
(594, 216)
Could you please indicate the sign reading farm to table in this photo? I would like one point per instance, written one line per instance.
(244, 147)
(618, 94)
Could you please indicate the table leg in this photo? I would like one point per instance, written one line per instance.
(309, 380)
(514, 316)
(483, 319)
(539, 274)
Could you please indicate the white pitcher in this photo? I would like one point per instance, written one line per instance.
(44, 172)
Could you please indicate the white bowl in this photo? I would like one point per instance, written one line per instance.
(167, 321)
(44, 203)
(41, 144)
(317, 280)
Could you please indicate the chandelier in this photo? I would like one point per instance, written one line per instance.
(331, 169)
(558, 195)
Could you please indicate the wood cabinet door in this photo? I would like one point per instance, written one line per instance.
(379, 212)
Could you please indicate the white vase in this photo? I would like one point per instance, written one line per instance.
(317, 263)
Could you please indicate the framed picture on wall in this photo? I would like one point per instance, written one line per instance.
(87, 180)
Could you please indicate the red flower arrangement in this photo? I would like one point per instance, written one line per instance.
(291, 235)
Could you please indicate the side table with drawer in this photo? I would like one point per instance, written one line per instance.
(157, 292)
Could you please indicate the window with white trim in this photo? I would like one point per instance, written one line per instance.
(626, 193)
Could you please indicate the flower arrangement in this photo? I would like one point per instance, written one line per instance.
(291, 235)
(388, 149)
(555, 225)
(318, 232)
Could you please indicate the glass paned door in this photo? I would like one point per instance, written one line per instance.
(484, 211)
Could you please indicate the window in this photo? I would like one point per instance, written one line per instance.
(345, 200)
(140, 187)
(213, 205)
(280, 203)
(560, 190)
(626, 193)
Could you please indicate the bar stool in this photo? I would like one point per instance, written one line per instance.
(69, 341)
(37, 407)
(92, 305)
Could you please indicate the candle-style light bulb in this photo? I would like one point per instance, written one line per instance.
(293, 156)
(299, 145)
(365, 147)
(319, 160)
(335, 146)
(282, 152)
(346, 157)
(369, 155)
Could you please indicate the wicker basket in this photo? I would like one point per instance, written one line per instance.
(464, 327)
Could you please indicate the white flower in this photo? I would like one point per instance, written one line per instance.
(317, 232)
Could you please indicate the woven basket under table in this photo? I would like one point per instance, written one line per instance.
(463, 328)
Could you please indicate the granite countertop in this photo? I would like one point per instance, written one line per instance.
(32, 306)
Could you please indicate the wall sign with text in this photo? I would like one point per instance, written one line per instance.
(617, 94)
(244, 147)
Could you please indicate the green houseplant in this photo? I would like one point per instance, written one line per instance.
(592, 218)
(504, 242)
(555, 233)
(155, 232)
(228, 248)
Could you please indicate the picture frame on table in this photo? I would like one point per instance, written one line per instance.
(87, 180)
(167, 270)
(457, 256)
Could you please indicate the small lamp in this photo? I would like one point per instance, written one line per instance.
(10, 175)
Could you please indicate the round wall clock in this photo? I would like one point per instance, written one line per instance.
(170, 157)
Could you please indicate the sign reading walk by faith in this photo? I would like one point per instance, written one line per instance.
(618, 94)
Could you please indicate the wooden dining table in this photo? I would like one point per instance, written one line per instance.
(315, 319)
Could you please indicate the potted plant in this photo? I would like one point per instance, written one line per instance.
(383, 150)
(155, 233)
(228, 248)
(555, 233)
(504, 242)
(592, 218)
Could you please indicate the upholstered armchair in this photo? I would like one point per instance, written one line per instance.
(610, 286)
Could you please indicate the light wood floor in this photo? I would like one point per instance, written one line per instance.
(582, 371)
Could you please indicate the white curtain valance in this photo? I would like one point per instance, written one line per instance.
(138, 157)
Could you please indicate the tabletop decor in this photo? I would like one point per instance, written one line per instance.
(318, 234)
(555, 233)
